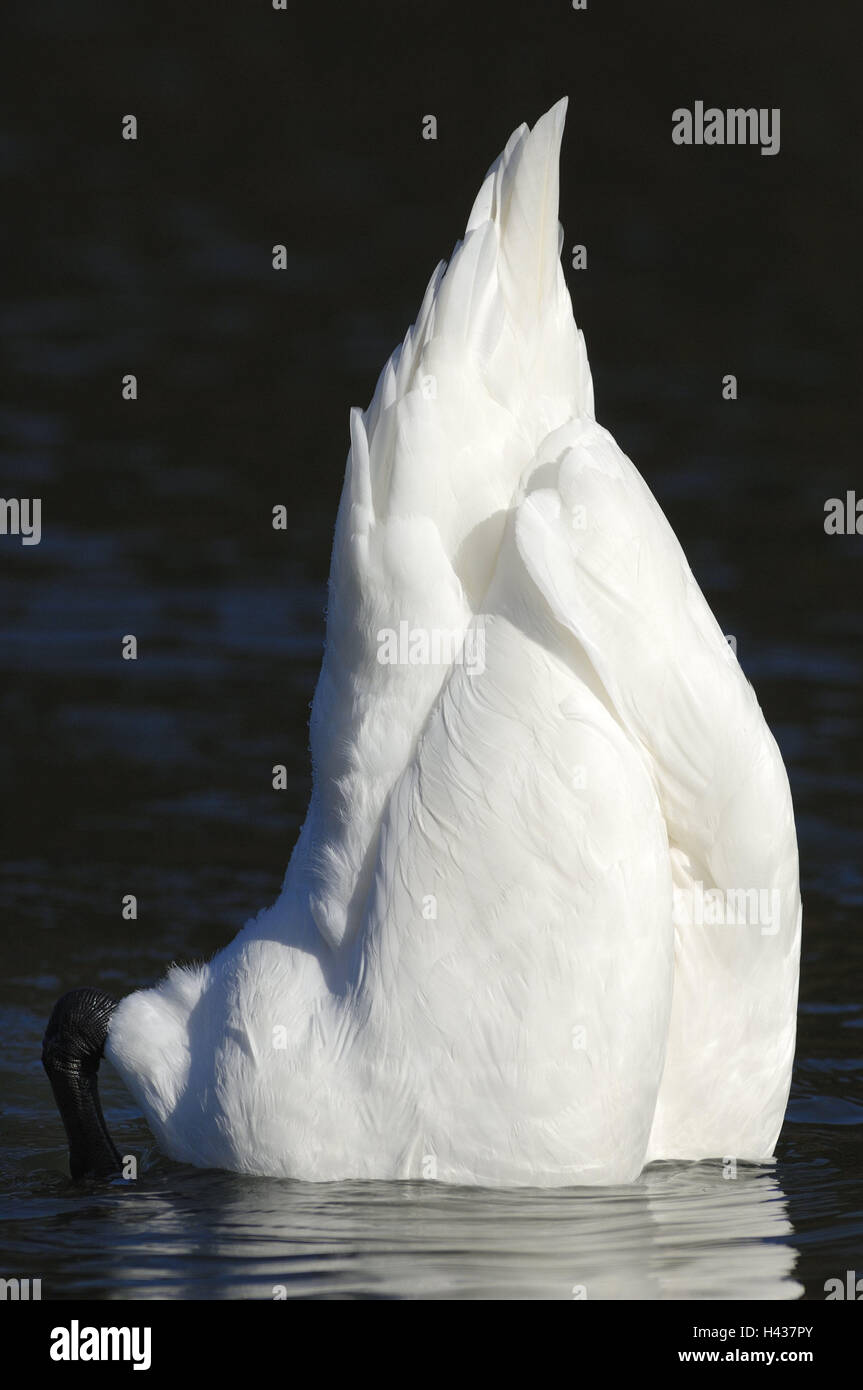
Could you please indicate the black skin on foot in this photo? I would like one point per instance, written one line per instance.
(72, 1049)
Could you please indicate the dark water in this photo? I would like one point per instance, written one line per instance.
(153, 777)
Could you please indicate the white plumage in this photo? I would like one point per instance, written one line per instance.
(477, 970)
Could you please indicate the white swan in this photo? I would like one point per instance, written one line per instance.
(476, 970)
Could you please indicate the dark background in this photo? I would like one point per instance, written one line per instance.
(154, 257)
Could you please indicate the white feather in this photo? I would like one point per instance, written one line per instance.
(474, 971)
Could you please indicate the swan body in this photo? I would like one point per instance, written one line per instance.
(478, 969)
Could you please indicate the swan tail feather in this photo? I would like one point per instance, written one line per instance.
(492, 363)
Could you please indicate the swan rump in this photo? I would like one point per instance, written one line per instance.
(491, 960)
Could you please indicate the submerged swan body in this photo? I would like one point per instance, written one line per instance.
(481, 968)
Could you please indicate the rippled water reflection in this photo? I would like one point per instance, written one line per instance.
(681, 1232)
